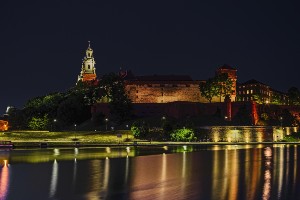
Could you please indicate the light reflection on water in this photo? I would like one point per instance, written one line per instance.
(210, 172)
(4, 180)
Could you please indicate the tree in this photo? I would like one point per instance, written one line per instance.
(38, 107)
(90, 91)
(287, 119)
(220, 85)
(225, 85)
(276, 99)
(209, 89)
(294, 96)
(16, 119)
(140, 129)
(258, 98)
(73, 110)
(112, 87)
(39, 123)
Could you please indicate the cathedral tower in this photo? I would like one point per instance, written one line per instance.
(88, 70)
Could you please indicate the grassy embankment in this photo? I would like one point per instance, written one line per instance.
(34, 138)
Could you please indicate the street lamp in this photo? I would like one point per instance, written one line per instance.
(127, 131)
(106, 120)
(54, 121)
(75, 125)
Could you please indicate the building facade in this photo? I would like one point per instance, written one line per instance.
(254, 90)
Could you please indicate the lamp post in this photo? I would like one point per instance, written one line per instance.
(127, 131)
(54, 122)
(163, 119)
(75, 125)
(106, 120)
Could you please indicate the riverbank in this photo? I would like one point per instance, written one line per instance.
(36, 139)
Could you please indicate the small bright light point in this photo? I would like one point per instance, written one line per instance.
(128, 149)
(75, 151)
(165, 148)
(184, 147)
(56, 152)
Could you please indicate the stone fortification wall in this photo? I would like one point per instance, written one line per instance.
(164, 92)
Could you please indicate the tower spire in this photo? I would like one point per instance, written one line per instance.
(88, 70)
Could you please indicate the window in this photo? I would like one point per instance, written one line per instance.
(89, 67)
(247, 91)
(251, 91)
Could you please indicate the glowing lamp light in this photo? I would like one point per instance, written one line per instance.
(184, 147)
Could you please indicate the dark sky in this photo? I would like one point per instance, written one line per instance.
(42, 43)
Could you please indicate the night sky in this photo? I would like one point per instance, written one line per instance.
(42, 43)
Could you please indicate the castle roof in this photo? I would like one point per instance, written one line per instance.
(253, 81)
(164, 78)
(225, 66)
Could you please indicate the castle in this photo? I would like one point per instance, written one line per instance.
(180, 96)
(159, 88)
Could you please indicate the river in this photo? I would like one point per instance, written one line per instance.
(178, 172)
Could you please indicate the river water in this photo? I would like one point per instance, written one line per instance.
(180, 172)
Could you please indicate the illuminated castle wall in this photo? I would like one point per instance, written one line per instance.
(165, 89)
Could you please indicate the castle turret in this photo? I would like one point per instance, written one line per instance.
(88, 70)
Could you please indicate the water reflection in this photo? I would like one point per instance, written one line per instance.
(54, 178)
(267, 174)
(4, 180)
(213, 172)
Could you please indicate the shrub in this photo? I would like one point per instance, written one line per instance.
(183, 135)
(140, 129)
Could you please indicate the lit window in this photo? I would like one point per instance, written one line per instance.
(251, 91)
(247, 91)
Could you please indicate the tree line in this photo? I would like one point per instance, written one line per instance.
(60, 110)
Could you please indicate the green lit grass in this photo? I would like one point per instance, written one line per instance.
(31, 138)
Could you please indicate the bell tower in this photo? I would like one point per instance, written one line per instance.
(88, 70)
